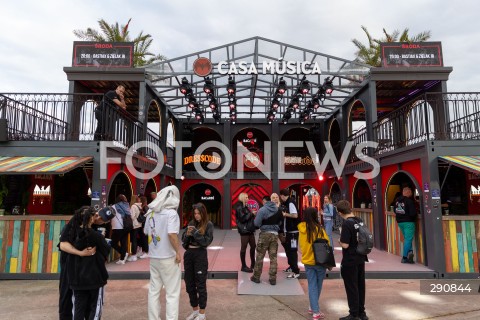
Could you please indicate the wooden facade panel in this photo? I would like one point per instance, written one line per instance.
(30, 246)
(395, 239)
(461, 242)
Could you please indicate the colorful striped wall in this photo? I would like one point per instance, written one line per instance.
(461, 237)
(395, 238)
(366, 215)
(28, 244)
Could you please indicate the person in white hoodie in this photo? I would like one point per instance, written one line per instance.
(162, 227)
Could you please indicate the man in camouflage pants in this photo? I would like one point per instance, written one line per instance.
(268, 219)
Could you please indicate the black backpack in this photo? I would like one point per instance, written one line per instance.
(364, 237)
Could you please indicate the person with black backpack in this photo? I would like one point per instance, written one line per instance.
(352, 268)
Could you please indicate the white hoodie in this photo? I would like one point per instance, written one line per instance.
(163, 219)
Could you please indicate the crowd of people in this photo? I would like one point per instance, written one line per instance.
(154, 233)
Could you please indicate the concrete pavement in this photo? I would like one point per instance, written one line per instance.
(127, 299)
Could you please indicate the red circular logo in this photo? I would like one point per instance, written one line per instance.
(252, 160)
(208, 192)
(250, 135)
(202, 67)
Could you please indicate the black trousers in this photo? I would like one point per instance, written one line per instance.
(291, 253)
(354, 281)
(120, 235)
(65, 305)
(133, 240)
(247, 239)
(142, 240)
(88, 304)
(195, 262)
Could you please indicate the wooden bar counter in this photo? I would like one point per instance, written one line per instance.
(29, 243)
(395, 238)
(461, 238)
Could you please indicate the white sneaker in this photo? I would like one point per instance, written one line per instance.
(144, 255)
(124, 259)
(193, 316)
(132, 258)
(293, 275)
(201, 316)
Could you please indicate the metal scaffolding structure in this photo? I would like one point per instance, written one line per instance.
(254, 92)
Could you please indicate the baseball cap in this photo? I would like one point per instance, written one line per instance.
(107, 213)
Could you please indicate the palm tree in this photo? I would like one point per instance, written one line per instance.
(370, 53)
(116, 33)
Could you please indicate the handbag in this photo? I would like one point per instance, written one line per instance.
(323, 253)
(127, 222)
(141, 218)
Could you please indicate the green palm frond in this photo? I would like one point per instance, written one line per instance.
(370, 53)
(120, 33)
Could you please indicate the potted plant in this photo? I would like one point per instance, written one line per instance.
(3, 193)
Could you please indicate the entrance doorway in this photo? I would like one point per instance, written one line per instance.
(255, 193)
(209, 196)
(120, 185)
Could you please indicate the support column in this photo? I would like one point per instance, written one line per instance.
(433, 242)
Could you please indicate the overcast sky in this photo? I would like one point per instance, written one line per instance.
(36, 37)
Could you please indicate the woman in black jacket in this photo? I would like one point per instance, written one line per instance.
(246, 228)
(88, 275)
(196, 238)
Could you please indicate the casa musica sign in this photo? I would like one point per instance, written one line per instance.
(203, 67)
(269, 67)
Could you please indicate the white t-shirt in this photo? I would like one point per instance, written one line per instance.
(163, 222)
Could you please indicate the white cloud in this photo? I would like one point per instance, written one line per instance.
(36, 38)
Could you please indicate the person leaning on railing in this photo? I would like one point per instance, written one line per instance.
(116, 96)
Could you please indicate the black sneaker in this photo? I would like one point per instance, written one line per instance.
(349, 317)
(273, 281)
(247, 269)
(404, 260)
(254, 279)
(410, 257)
(363, 316)
(288, 270)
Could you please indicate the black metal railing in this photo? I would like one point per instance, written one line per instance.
(71, 117)
(432, 116)
(29, 120)
(357, 137)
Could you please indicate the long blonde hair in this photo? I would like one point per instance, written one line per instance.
(241, 198)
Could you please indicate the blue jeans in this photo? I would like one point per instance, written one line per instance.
(329, 229)
(408, 231)
(315, 276)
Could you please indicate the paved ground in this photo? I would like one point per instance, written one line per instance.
(127, 299)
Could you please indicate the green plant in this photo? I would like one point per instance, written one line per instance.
(3, 190)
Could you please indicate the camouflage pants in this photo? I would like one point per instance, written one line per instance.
(266, 242)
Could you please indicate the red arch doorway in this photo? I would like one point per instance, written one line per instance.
(255, 192)
(206, 194)
(305, 195)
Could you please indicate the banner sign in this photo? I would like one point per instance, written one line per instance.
(415, 54)
(102, 54)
